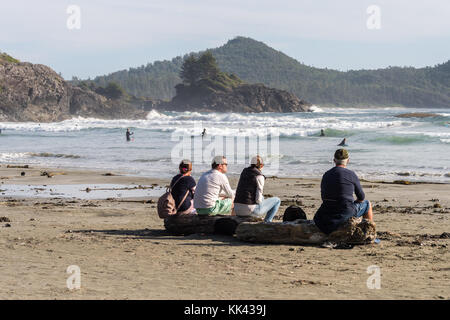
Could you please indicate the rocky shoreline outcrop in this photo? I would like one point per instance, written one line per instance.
(243, 98)
(35, 92)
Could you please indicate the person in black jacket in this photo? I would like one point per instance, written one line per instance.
(183, 187)
(249, 200)
(337, 188)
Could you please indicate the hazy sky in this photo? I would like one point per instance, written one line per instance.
(118, 34)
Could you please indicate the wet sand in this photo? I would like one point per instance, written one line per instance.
(124, 253)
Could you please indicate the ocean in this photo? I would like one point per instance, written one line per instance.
(382, 147)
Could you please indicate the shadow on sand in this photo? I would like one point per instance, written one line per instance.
(161, 234)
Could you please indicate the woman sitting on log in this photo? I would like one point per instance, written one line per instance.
(249, 200)
(183, 188)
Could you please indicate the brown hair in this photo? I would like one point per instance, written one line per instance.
(185, 166)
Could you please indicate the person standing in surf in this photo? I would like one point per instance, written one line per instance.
(128, 134)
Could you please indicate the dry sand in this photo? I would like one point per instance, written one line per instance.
(124, 253)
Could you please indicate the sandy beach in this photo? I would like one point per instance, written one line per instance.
(124, 252)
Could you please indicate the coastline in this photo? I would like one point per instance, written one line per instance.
(123, 251)
(10, 172)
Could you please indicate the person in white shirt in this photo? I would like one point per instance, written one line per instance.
(213, 194)
(249, 200)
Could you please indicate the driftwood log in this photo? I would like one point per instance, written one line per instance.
(193, 223)
(354, 231)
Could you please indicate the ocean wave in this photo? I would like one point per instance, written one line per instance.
(315, 108)
(304, 122)
(399, 140)
(151, 160)
(13, 156)
(53, 155)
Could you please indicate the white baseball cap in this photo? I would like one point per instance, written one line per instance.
(218, 160)
(255, 160)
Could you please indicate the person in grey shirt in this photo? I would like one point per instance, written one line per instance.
(213, 193)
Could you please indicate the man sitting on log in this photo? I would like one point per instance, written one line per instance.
(213, 194)
(337, 188)
(249, 199)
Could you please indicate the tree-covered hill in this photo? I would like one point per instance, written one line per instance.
(254, 62)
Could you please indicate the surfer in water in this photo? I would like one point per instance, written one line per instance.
(343, 143)
(204, 132)
(128, 134)
(322, 133)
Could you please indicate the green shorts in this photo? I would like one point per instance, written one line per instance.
(221, 207)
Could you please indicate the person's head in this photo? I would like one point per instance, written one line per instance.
(220, 163)
(185, 167)
(257, 162)
(341, 157)
(128, 129)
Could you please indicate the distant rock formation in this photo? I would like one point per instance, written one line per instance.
(242, 98)
(34, 92)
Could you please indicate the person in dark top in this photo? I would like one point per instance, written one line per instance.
(249, 199)
(204, 132)
(183, 186)
(322, 133)
(128, 134)
(337, 188)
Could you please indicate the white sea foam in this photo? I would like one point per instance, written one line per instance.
(315, 108)
(13, 156)
(288, 124)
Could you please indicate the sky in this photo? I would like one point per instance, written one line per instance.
(118, 34)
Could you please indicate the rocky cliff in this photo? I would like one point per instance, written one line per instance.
(242, 98)
(34, 92)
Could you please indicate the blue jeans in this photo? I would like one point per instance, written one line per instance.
(361, 208)
(269, 207)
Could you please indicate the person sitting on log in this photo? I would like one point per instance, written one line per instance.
(214, 194)
(337, 188)
(249, 200)
(183, 188)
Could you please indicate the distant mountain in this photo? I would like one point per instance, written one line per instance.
(255, 62)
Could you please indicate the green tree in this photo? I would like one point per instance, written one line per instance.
(113, 91)
(207, 66)
(189, 73)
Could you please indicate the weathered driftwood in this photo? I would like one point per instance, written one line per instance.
(193, 223)
(355, 231)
